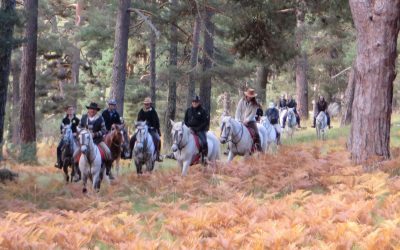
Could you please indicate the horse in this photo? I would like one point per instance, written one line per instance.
(144, 150)
(114, 141)
(186, 152)
(272, 131)
(125, 154)
(291, 122)
(90, 162)
(321, 122)
(241, 141)
(67, 151)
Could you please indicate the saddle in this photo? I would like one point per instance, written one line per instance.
(253, 135)
(102, 154)
(196, 158)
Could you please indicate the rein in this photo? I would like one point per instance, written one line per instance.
(180, 141)
(233, 135)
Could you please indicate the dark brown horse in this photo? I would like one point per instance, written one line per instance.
(114, 141)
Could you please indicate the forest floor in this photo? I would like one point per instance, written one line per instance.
(307, 195)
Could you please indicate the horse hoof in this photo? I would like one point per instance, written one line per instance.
(84, 190)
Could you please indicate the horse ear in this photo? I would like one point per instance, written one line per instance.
(172, 122)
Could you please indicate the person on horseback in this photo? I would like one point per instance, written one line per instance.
(149, 114)
(246, 113)
(272, 114)
(198, 120)
(282, 103)
(291, 103)
(69, 119)
(111, 115)
(322, 105)
(94, 122)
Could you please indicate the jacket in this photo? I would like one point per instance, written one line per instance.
(96, 126)
(322, 106)
(151, 117)
(282, 103)
(197, 119)
(66, 121)
(246, 111)
(110, 119)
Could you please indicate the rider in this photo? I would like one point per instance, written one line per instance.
(94, 122)
(246, 113)
(149, 114)
(69, 119)
(282, 102)
(291, 103)
(322, 105)
(111, 115)
(272, 114)
(198, 119)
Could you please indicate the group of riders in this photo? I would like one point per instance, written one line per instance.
(248, 111)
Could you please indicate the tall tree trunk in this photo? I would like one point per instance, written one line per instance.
(153, 80)
(208, 54)
(120, 54)
(301, 62)
(27, 81)
(173, 62)
(226, 104)
(262, 80)
(6, 34)
(16, 72)
(348, 99)
(377, 24)
(76, 52)
(194, 59)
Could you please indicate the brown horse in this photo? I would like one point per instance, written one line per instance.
(114, 141)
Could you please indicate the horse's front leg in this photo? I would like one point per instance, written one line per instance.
(65, 169)
(138, 167)
(185, 168)
(230, 156)
(84, 182)
(117, 165)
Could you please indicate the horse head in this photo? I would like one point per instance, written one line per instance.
(226, 129)
(321, 120)
(141, 135)
(291, 118)
(179, 135)
(117, 134)
(85, 140)
(265, 121)
(67, 134)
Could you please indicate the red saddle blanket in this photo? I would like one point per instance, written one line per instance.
(102, 154)
(252, 134)
(196, 157)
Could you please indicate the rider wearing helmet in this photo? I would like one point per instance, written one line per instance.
(111, 115)
(197, 118)
(246, 113)
(291, 103)
(322, 105)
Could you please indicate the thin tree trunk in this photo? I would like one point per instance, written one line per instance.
(120, 54)
(6, 34)
(208, 54)
(227, 104)
(301, 62)
(348, 99)
(173, 62)
(27, 81)
(262, 80)
(76, 52)
(377, 24)
(153, 80)
(194, 59)
(16, 72)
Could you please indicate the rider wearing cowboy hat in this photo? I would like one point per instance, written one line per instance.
(69, 119)
(149, 114)
(246, 113)
(111, 115)
(197, 118)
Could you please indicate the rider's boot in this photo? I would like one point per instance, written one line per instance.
(314, 120)
(158, 157)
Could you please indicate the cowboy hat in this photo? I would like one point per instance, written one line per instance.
(94, 106)
(250, 93)
(147, 100)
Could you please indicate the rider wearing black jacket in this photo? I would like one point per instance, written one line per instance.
(322, 105)
(291, 103)
(197, 118)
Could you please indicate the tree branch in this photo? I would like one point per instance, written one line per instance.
(146, 19)
(341, 72)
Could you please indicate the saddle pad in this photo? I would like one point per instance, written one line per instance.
(252, 134)
(102, 154)
(196, 157)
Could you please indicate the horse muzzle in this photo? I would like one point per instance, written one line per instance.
(84, 149)
(222, 140)
(174, 148)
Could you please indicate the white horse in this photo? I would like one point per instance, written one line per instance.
(321, 123)
(67, 151)
(90, 163)
(239, 138)
(272, 131)
(185, 149)
(291, 123)
(144, 151)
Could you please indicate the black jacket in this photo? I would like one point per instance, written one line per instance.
(322, 106)
(97, 127)
(259, 113)
(273, 115)
(110, 119)
(197, 119)
(66, 121)
(151, 117)
(282, 103)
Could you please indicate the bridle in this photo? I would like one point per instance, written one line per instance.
(231, 135)
(175, 137)
(143, 141)
(84, 141)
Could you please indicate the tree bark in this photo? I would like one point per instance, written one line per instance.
(76, 52)
(173, 62)
(261, 83)
(377, 24)
(16, 72)
(27, 81)
(153, 80)
(226, 104)
(208, 54)
(301, 62)
(120, 54)
(194, 59)
(6, 33)
(348, 100)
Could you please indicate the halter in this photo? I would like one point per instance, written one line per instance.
(180, 141)
(232, 135)
(83, 142)
(144, 142)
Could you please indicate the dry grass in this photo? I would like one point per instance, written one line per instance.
(306, 196)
